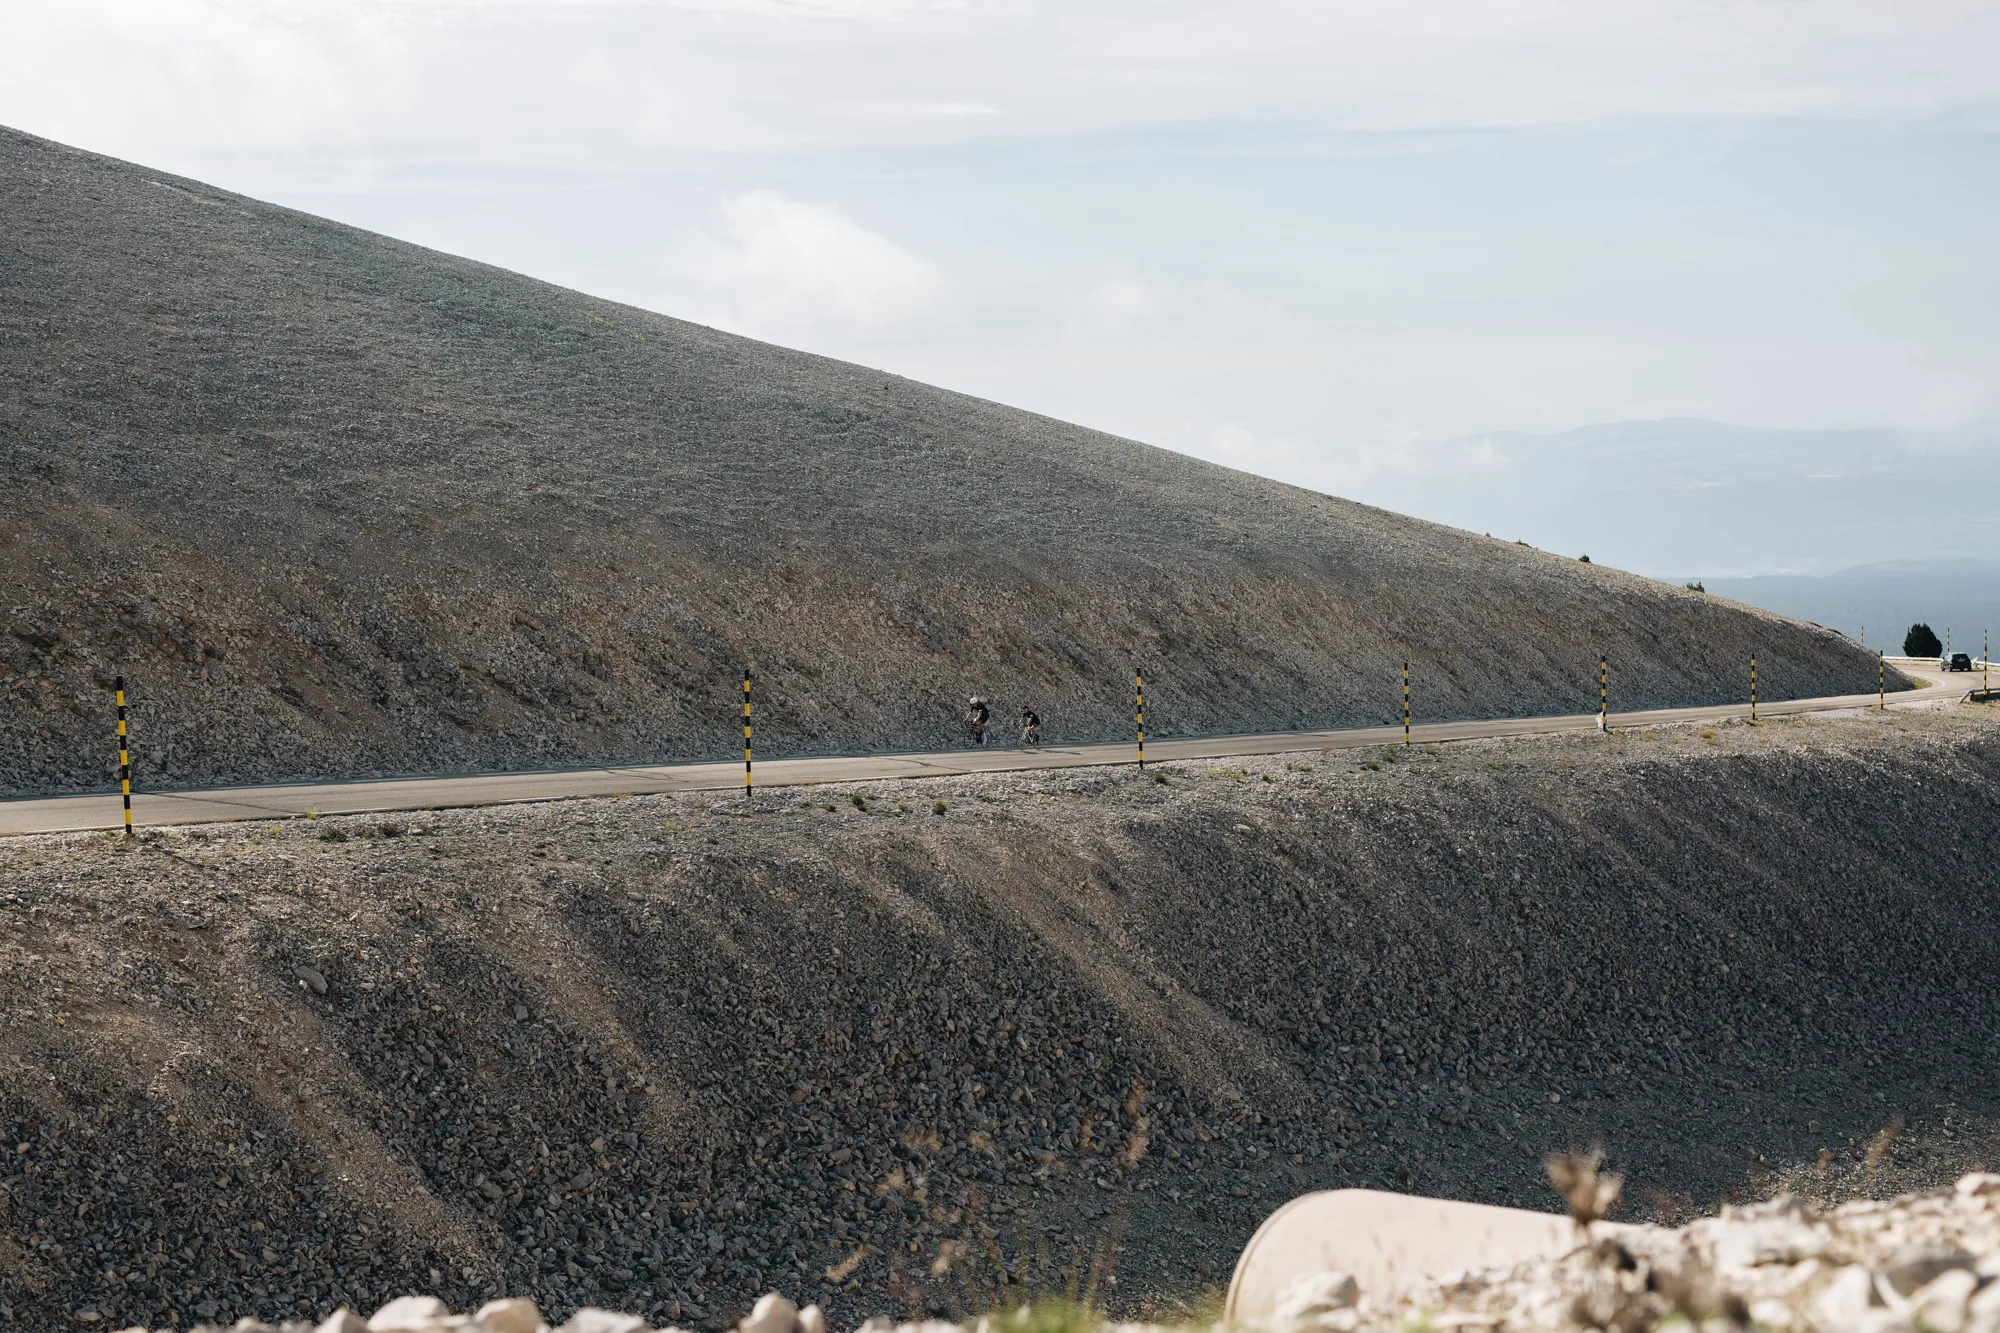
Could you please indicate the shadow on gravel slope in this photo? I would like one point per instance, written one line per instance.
(661, 1055)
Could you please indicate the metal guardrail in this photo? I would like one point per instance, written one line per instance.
(1978, 663)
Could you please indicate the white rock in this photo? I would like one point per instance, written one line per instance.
(1780, 1240)
(407, 1312)
(1846, 1301)
(590, 1319)
(511, 1314)
(812, 1319)
(1314, 1299)
(1979, 1185)
(1940, 1303)
(771, 1314)
(1774, 1314)
(342, 1320)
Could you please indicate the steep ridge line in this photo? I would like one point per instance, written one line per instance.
(340, 507)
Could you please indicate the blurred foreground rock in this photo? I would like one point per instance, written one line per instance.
(1924, 1263)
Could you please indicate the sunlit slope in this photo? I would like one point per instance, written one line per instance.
(338, 505)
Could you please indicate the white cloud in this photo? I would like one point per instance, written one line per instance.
(1392, 453)
(1954, 401)
(1110, 307)
(777, 267)
(430, 80)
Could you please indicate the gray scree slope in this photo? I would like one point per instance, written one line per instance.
(340, 506)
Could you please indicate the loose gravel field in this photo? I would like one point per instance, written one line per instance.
(338, 506)
(906, 1047)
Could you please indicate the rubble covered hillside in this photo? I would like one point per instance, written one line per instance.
(897, 1049)
(339, 506)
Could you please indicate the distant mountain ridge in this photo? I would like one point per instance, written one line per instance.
(1686, 494)
(1876, 604)
(335, 505)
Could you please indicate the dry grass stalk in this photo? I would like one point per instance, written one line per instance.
(1590, 1193)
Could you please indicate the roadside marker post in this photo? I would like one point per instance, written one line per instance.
(1406, 704)
(1881, 683)
(1753, 687)
(749, 789)
(1139, 709)
(1604, 693)
(124, 755)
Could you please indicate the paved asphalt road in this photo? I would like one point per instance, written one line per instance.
(61, 814)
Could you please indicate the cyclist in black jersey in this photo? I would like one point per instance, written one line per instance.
(1031, 728)
(975, 717)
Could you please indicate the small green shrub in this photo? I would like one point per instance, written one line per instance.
(860, 801)
(937, 807)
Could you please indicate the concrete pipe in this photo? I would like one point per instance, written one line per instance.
(1387, 1243)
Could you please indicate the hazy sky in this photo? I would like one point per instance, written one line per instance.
(1313, 239)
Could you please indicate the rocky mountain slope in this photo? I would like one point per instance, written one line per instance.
(336, 505)
(914, 1046)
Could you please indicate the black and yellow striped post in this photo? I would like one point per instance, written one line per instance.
(1881, 682)
(1753, 687)
(124, 755)
(1985, 659)
(1604, 693)
(749, 789)
(1139, 708)
(1406, 703)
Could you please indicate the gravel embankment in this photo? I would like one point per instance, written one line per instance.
(662, 1054)
(1922, 1263)
(337, 506)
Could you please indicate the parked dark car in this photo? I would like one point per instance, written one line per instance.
(1957, 662)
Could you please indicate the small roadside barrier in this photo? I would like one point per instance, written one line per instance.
(124, 755)
(1139, 709)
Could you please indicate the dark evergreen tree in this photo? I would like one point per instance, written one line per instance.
(1921, 642)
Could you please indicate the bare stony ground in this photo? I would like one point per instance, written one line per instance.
(337, 506)
(1921, 1263)
(913, 1048)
